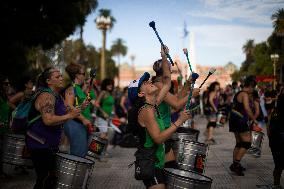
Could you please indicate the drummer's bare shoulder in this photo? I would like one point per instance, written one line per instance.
(45, 103)
(146, 113)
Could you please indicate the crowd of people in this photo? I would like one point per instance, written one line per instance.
(153, 108)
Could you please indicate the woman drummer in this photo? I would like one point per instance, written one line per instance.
(144, 114)
(241, 114)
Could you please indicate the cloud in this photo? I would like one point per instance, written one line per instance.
(255, 11)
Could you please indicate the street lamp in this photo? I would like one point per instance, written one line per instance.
(103, 23)
(274, 58)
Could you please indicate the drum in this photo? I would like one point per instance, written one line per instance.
(186, 134)
(257, 138)
(73, 171)
(186, 179)
(221, 119)
(97, 146)
(190, 155)
(14, 149)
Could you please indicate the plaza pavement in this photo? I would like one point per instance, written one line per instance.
(115, 174)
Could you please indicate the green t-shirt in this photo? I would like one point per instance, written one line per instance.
(107, 104)
(165, 112)
(160, 152)
(81, 96)
(4, 116)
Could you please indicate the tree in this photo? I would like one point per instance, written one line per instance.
(104, 22)
(33, 24)
(248, 49)
(278, 24)
(87, 7)
(118, 49)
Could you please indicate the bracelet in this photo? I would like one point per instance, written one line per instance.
(174, 124)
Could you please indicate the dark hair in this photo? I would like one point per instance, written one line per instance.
(212, 86)
(72, 69)
(250, 82)
(105, 83)
(46, 74)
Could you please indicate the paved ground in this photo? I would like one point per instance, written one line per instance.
(115, 173)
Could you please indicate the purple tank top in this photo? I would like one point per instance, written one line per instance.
(41, 136)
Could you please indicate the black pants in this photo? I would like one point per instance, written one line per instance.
(45, 167)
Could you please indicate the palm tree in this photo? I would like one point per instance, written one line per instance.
(104, 22)
(248, 47)
(117, 49)
(278, 24)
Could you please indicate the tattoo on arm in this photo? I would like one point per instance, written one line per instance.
(46, 103)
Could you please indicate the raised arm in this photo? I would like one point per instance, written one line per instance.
(166, 78)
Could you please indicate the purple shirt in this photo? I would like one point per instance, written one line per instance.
(41, 136)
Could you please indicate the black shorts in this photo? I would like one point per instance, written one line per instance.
(159, 178)
(276, 143)
(238, 124)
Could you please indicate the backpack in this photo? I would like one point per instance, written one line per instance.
(20, 122)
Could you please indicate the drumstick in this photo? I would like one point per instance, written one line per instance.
(211, 71)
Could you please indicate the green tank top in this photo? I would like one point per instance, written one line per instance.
(107, 104)
(160, 152)
(165, 112)
(81, 96)
(4, 116)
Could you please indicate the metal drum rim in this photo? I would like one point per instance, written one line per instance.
(16, 136)
(88, 163)
(188, 178)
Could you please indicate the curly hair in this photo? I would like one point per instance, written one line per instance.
(105, 83)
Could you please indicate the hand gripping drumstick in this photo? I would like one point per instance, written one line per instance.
(211, 71)
(194, 77)
(152, 25)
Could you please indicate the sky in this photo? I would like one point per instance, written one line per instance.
(220, 28)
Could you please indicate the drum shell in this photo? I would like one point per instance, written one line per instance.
(186, 179)
(187, 152)
(186, 134)
(257, 138)
(13, 147)
(73, 172)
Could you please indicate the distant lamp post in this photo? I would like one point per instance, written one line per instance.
(274, 58)
(103, 23)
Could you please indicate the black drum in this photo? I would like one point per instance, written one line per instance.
(180, 179)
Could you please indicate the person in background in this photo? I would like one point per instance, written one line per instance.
(241, 114)
(105, 105)
(78, 129)
(275, 131)
(212, 103)
(43, 135)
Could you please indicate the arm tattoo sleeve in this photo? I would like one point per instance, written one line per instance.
(46, 103)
